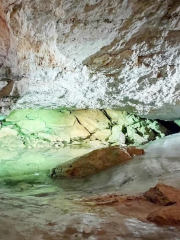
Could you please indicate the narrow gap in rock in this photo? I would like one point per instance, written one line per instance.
(171, 126)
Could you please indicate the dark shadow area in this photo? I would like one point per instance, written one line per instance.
(171, 126)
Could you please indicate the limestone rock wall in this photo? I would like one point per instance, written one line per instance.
(8, 60)
(38, 128)
(92, 54)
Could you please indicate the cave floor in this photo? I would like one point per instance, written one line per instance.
(33, 206)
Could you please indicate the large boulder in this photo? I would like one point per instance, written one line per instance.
(95, 162)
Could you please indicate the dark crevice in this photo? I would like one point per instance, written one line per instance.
(171, 126)
(105, 113)
(84, 128)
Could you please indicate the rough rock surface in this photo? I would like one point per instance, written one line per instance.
(95, 162)
(163, 195)
(142, 208)
(169, 198)
(92, 128)
(129, 206)
(169, 215)
(95, 54)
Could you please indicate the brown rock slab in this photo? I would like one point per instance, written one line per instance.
(130, 206)
(138, 207)
(94, 162)
(169, 215)
(163, 195)
(111, 199)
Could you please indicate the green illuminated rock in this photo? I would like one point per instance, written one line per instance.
(12, 142)
(92, 119)
(120, 118)
(50, 137)
(6, 131)
(177, 122)
(4, 154)
(103, 135)
(2, 117)
(18, 115)
(55, 118)
(31, 126)
(40, 128)
(114, 137)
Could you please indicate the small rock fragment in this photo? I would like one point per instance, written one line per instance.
(87, 229)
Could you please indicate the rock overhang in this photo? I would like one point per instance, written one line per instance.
(122, 55)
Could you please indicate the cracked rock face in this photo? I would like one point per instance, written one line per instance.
(39, 128)
(92, 54)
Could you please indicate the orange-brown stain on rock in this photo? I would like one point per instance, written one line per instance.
(5, 91)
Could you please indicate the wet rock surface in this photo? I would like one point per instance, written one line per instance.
(131, 206)
(143, 208)
(33, 206)
(95, 162)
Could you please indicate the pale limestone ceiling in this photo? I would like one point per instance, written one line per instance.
(97, 54)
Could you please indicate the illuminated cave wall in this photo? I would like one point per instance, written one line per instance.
(39, 128)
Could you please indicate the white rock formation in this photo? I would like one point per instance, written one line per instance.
(96, 54)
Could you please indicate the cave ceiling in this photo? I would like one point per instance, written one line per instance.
(91, 54)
